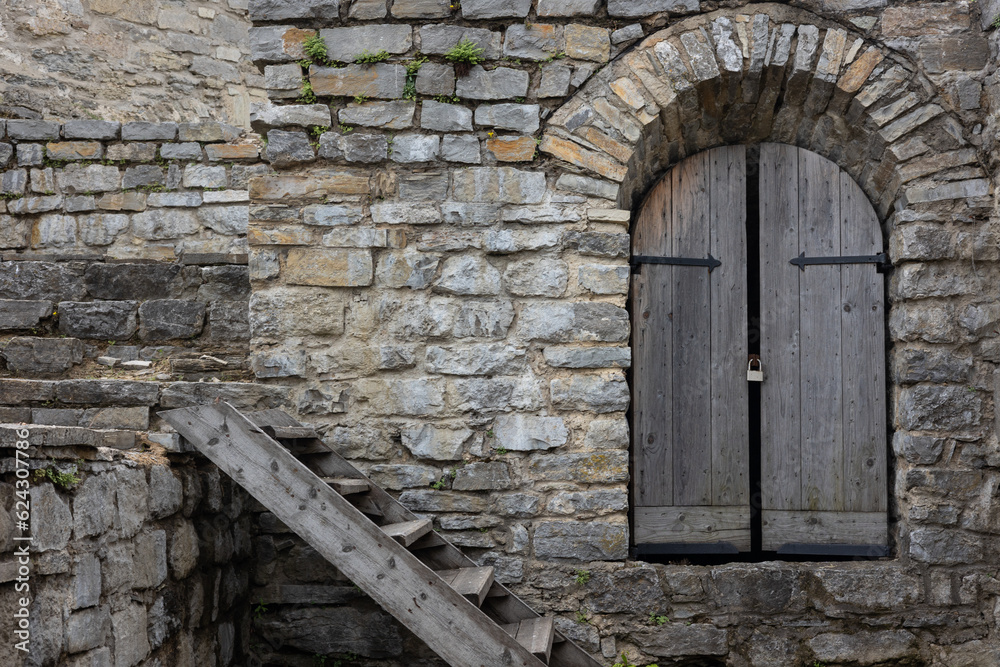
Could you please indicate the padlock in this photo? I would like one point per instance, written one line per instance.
(755, 374)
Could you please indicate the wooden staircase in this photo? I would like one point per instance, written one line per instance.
(416, 575)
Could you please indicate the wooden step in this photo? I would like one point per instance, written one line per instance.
(345, 486)
(291, 432)
(535, 634)
(472, 582)
(408, 532)
(299, 448)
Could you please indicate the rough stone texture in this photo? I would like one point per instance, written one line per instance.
(42, 355)
(581, 541)
(105, 320)
(166, 319)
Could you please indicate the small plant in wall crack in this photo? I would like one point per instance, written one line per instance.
(260, 610)
(581, 617)
(626, 662)
(64, 480)
(315, 48)
(464, 55)
(655, 619)
(582, 576)
(371, 58)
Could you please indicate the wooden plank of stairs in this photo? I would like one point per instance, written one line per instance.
(392, 576)
(535, 634)
(472, 582)
(408, 532)
(434, 551)
(346, 486)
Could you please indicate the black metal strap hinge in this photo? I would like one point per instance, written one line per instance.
(709, 261)
(881, 260)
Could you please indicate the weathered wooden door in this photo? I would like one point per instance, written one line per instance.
(823, 434)
(689, 325)
(821, 442)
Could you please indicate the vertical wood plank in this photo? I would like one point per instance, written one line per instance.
(691, 319)
(727, 225)
(779, 328)
(821, 383)
(862, 328)
(652, 378)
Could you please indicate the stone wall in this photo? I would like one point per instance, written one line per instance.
(442, 277)
(127, 60)
(140, 557)
(438, 275)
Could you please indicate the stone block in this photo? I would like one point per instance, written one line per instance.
(679, 640)
(364, 10)
(939, 407)
(521, 433)
(599, 244)
(591, 502)
(491, 476)
(422, 9)
(40, 280)
(74, 150)
(23, 314)
(132, 152)
(131, 419)
(128, 628)
(461, 148)
(228, 322)
(51, 521)
(415, 397)
(581, 541)
(150, 559)
(187, 151)
(588, 357)
(14, 182)
(396, 477)
(86, 578)
(539, 41)
(243, 395)
(334, 630)
(166, 319)
(162, 224)
(602, 467)
(104, 320)
(445, 117)
(268, 116)
(42, 355)
(484, 359)
(573, 322)
(33, 130)
(436, 79)
(346, 44)
(555, 80)
(77, 178)
(30, 155)
(438, 39)
(518, 117)
(407, 148)
(87, 629)
(627, 34)
(396, 115)
(864, 647)
(203, 176)
(588, 43)
(277, 10)
(101, 130)
(468, 275)
(603, 279)
(382, 80)
(568, 7)
(593, 393)
(644, 8)
(917, 449)
(114, 392)
(438, 443)
(226, 220)
(101, 229)
(207, 130)
(492, 9)
(140, 175)
(497, 84)
(288, 148)
(146, 131)
(913, 365)
(537, 277)
(138, 282)
(442, 501)
(6, 153)
(329, 267)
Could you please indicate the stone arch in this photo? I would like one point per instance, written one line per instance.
(768, 72)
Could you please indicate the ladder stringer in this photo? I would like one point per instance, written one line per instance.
(394, 578)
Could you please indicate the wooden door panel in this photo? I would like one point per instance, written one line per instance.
(691, 459)
(823, 436)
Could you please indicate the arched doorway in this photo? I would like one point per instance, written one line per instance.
(772, 252)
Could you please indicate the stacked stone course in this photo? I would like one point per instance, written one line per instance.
(438, 269)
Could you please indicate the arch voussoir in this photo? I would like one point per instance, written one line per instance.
(765, 73)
